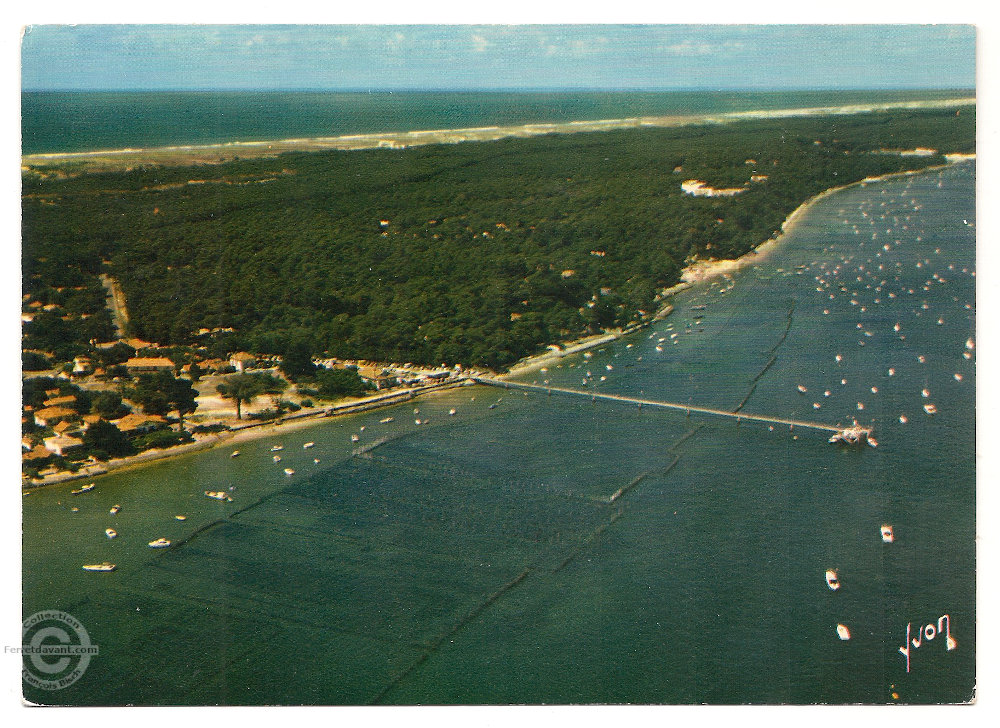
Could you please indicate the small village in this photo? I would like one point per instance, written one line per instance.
(133, 400)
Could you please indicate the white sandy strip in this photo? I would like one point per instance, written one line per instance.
(490, 133)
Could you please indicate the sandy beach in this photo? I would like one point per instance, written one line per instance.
(114, 159)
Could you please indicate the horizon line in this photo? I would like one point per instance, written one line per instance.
(505, 89)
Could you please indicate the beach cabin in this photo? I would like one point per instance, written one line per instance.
(241, 361)
(148, 365)
(82, 365)
(137, 424)
(51, 415)
(62, 444)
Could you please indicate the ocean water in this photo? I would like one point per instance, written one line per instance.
(480, 557)
(85, 121)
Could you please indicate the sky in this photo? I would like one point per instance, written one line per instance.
(380, 57)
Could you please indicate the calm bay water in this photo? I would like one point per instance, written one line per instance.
(477, 558)
(86, 121)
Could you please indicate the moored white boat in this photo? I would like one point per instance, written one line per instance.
(114, 509)
(218, 495)
(110, 533)
(103, 566)
(843, 632)
(160, 543)
(84, 489)
(277, 448)
(289, 471)
(308, 445)
(887, 535)
(831, 579)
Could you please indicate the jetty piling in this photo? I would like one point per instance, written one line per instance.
(686, 408)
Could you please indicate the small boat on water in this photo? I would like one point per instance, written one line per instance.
(277, 448)
(234, 454)
(110, 533)
(887, 535)
(831, 579)
(114, 509)
(925, 393)
(843, 632)
(289, 471)
(355, 438)
(276, 458)
(160, 543)
(385, 420)
(180, 518)
(218, 495)
(903, 419)
(316, 461)
(451, 412)
(930, 409)
(84, 489)
(103, 566)
(802, 390)
(493, 406)
(308, 445)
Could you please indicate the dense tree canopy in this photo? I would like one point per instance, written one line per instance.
(475, 253)
(104, 440)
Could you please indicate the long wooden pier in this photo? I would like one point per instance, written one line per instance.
(687, 408)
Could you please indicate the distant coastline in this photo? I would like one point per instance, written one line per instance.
(112, 159)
